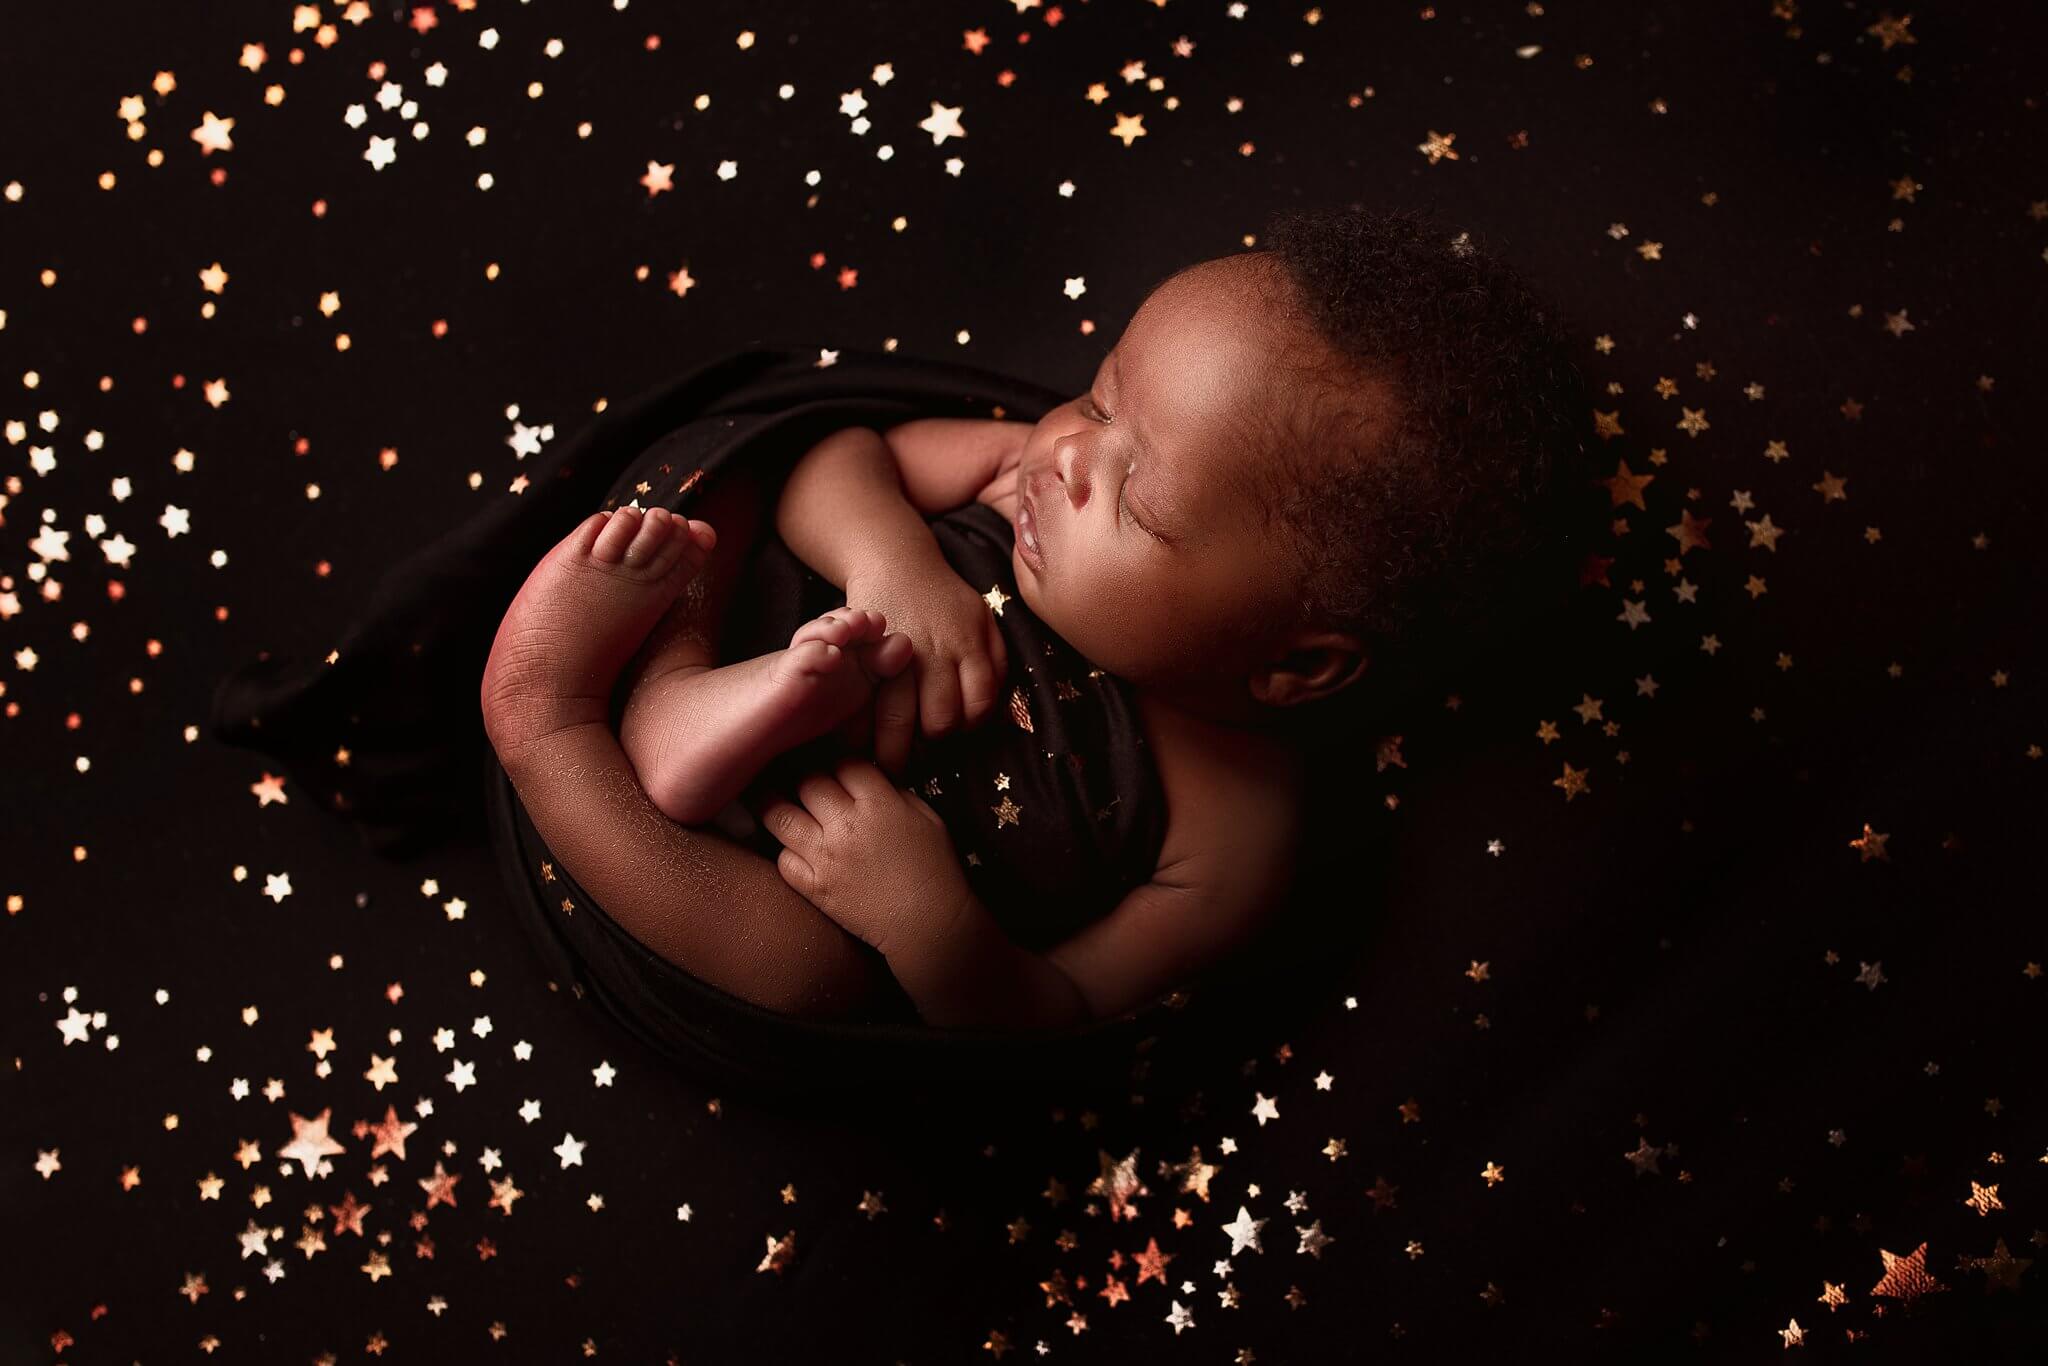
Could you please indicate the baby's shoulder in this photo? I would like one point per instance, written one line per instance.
(1227, 790)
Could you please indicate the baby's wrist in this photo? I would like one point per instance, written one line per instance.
(894, 552)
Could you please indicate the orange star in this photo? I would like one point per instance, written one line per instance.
(348, 1215)
(1906, 1278)
(390, 1133)
(440, 1187)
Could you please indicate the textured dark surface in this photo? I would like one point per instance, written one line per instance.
(1819, 1053)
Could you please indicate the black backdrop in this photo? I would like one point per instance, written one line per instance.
(1661, 1069)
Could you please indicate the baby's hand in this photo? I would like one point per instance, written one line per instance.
(959, 658)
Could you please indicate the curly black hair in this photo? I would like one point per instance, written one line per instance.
(1426, 483)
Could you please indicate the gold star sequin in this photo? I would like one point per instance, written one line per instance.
(1007, 813)
(1692, 421)
(1906, 1278)
(1573, 782)
(1984, 1199)
(1623, 486)
(1890, 31)
(1871, 844)
(1002, 781)
(995, 599)
(1020, 709)
(2003, 1269)
(1607, 425)
(1438, 146)
(1690, 532)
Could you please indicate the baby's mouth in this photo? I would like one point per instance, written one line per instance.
(1027, 534)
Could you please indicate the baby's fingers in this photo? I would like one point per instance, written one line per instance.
(939, 699)
(895, 721)
(978, 681)
(998, 651)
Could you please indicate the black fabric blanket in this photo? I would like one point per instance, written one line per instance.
(388, 731)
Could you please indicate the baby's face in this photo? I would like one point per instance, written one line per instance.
(1155, 559)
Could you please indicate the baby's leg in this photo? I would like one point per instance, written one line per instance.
(697, 733)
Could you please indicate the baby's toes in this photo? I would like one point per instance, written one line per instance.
(814, 658)
(836, 627)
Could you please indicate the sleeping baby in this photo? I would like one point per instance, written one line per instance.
(1303, 481)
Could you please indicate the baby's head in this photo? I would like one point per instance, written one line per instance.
(1310, 476)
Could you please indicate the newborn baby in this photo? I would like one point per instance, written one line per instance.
(1296, 482)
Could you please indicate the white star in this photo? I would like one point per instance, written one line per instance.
(381, 152)
(253, 1244)
(277, 886)
(570, 1150)
(530, 1111)
(522, 1050)
(1265, 1109)
(76, 1027)
(1244, 1232)
(524, 440)
(310, 1142)
(176, 521)
(390, 95)
(462, 1076)
(604, 1073)
(1180, 1318)
(943, 123)
(119, 550)
(49, 543)
(47, 1163)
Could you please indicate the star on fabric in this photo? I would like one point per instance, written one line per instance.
(389, 1134)
(440, 1187)
(1906, 1278)
(503, 1193)
(1244, 1232)
(76, 1026)
(348, 1215)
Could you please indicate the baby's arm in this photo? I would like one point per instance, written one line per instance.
(843, 507)
(1227, 866)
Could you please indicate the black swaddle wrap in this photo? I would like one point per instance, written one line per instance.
(1054, 803)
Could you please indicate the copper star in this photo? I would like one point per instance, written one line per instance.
(440, 1187)
(1906, 1278)
(348, 1215)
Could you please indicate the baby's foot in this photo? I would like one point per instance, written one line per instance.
(747, 714)
(582, 613)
